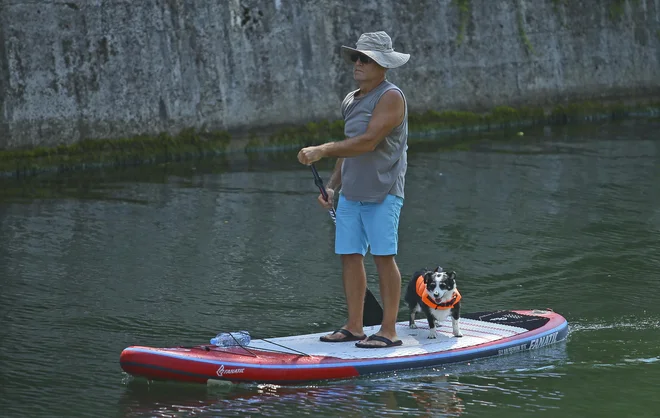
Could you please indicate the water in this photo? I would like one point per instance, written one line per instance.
(562, 217)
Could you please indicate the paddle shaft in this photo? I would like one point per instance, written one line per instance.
(324, 193)
(372, 311)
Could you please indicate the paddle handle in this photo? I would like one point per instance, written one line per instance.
(319, 183)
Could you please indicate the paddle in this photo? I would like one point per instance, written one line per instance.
(372, 312)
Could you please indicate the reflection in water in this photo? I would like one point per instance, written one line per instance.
(425, 397)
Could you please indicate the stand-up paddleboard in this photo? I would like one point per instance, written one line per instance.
(304, 358)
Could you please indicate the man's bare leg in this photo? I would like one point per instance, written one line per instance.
(390, 291)
(354, 277)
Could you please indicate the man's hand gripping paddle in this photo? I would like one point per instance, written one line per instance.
(372, 312)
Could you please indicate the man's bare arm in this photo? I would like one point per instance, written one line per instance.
(335, 178)
(387, 115)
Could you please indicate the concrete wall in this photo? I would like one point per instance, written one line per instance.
(111, 68)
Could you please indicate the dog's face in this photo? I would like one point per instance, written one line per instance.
(439, 284)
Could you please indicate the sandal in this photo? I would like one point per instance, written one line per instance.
(374, 337)
(349, 336)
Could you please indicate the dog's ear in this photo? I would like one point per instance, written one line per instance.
(419, 272)
(437, 269)
(451, 280)
(428, 276)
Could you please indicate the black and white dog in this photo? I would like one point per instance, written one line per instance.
(435, 294)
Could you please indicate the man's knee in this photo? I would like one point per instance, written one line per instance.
(384, 261)
(352, 258)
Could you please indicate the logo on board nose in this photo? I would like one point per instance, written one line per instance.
(222, 371)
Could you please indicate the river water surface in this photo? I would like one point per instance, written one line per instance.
(562, 217)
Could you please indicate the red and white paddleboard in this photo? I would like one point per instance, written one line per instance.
(304, 358)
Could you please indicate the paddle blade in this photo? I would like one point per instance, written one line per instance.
(373, 313)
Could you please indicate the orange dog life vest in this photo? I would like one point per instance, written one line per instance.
(421, 287)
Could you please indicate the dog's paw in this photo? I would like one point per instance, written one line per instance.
(458, 334)
(432, 335)
(412, 326)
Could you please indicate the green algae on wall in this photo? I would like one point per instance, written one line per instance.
(90, 153)
(520, 19)
(464, 8)
(435, 122)
(192, 144)
(618, 8)
(464, 12)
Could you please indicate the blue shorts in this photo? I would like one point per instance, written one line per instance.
(362, 225)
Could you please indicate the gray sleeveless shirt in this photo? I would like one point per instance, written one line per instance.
(371, 176)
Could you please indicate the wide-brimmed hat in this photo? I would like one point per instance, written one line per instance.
(378, 47)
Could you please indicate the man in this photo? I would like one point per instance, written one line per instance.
(370, 170)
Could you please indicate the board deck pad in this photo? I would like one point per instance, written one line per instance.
(528, 322)
(415, 341)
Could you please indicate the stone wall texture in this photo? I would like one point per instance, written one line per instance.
(77, 69)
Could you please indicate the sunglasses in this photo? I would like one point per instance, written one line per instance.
(363, 58)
